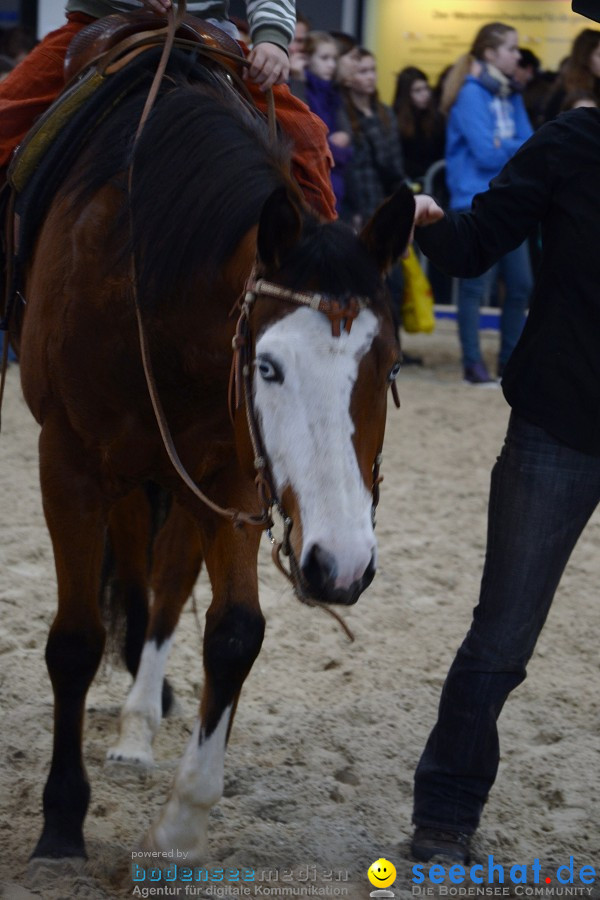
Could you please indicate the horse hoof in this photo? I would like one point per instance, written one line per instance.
(136, 759)
(44, 869)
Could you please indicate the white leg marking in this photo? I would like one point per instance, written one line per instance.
(183, 822)
(307, 428)
(141, 714)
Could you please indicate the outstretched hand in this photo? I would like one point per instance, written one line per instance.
(426, 210)
(269, 65)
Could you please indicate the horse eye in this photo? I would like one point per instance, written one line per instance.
(268, 370)
(394, 372)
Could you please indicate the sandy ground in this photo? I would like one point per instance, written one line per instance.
(328, 733)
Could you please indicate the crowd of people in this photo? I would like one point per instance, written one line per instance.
(483, 108)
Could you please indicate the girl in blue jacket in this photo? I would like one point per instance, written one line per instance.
(487, 124)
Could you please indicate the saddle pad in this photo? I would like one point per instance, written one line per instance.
(44, 132)
(39, 168)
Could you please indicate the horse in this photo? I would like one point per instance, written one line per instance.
(179, 229)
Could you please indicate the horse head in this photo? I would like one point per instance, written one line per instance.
(320, 383)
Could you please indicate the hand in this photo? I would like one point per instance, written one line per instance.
(426, 210)
(269, 65)
(340, 138)
(159, 6)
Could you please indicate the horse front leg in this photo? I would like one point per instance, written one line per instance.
(74, 514)
(177, 560)
(232, 640)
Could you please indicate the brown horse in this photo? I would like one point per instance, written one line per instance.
(209, 196)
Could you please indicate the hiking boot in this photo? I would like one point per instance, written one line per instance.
(430, 842)
(478, 374)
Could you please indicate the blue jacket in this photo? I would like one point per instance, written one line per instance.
(483, 133)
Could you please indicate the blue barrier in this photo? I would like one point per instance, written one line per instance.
(489, 317)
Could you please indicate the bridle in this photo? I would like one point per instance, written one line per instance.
(341, 314)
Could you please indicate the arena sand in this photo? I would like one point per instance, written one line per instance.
(327, 735)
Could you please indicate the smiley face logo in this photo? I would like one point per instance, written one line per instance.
(381, 873)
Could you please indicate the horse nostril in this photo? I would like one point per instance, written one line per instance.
(319, 570)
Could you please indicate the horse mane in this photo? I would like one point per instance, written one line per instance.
(202, 170)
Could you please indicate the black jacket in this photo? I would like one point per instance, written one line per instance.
(553, 377)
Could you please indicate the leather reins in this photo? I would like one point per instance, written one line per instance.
(236, 516)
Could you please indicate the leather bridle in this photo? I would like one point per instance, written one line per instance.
(341, 315)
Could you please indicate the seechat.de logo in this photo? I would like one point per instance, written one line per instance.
(570, 879)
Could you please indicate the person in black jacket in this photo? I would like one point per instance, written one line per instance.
(421, 125)
(546, 482)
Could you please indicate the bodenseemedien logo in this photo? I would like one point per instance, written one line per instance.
(519, 879)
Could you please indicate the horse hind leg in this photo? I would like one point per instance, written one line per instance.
(74, 513)
(177, 560)
(232, 640)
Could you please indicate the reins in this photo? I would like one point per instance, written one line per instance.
(236, 516)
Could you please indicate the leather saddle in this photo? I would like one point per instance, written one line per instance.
(97, 77)
(121, 32)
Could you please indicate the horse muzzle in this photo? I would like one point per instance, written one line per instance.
(321, 579)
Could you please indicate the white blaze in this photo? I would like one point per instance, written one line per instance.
(307, 431)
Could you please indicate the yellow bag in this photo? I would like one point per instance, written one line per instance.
(417, 298)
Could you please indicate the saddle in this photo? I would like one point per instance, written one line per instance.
(136, 31)
(100, 50)
(98, 78)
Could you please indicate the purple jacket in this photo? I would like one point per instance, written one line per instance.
(323, 98)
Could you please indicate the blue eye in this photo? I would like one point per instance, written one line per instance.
(268, 369)
(394, 372)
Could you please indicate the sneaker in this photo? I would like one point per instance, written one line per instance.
(478, 374)
(430, 842)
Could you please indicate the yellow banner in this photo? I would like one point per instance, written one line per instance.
(432, 34)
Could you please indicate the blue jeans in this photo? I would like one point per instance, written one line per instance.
(515, 270)
(542, 495)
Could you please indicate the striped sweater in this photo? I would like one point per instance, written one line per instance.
(270, 20)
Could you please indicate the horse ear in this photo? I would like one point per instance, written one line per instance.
(279, 227)
(387, 232)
